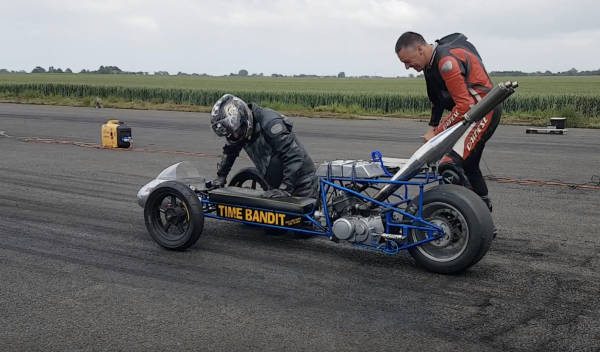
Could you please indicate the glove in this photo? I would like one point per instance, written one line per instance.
(276, 193)
(219, 182)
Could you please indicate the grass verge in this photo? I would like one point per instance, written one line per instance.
(536, 119)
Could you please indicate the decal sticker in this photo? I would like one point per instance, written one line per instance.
(447, 66)
(276, 128)
(258, 216)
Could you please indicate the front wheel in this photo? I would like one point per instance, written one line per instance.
(468, 229)
(174, 216)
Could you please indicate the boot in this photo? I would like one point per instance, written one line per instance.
(488, 202)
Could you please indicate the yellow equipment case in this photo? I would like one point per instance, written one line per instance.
(116, 134)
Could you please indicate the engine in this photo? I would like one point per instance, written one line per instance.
(348, 168)
(354, 221)
(358, 229)
(347, 204)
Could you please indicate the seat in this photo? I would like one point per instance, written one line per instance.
(252, 198)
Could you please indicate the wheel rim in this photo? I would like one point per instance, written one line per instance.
(456, 233)
(253, 182)
(170, 218)
(252, 179)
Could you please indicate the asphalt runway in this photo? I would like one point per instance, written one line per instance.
(80, 272)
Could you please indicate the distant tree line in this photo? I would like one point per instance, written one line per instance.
(571, 72)
(114, 70)
(244, 73)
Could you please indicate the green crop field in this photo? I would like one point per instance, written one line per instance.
(577, 98)
(536, 85)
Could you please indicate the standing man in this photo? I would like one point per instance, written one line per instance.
(456, 79)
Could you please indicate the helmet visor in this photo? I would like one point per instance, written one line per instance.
(226, 127)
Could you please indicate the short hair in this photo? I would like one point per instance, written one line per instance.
(409, 39)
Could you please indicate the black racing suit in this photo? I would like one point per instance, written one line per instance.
(277, 154)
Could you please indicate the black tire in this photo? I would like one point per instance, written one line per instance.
(252, 174)
(191, 210)
(248, 174)
(475, 216)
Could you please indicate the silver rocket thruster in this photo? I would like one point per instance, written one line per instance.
(438, 146)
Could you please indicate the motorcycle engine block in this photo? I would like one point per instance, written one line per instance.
(358, 229)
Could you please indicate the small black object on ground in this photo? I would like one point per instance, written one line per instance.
(557, 126)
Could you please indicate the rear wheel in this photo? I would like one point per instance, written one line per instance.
(468, 229)
(174, 216)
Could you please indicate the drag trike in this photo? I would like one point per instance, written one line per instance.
(446, 228)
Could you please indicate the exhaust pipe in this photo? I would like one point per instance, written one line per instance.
(438, 146)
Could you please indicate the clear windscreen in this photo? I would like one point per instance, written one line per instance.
(184, 172)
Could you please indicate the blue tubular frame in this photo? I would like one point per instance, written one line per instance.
(327, 182)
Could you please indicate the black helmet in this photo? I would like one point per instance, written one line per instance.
(231, 118)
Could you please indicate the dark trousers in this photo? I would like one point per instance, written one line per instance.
(307, 186)
(461, 165)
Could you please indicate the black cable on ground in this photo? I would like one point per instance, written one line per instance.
(594, 182)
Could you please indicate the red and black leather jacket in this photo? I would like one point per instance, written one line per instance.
(456, 79)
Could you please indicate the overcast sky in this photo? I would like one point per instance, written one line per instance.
(291, 36)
